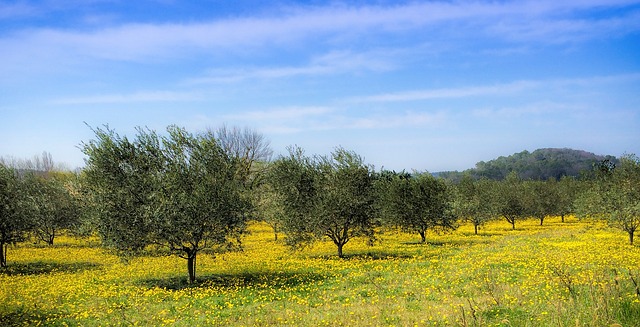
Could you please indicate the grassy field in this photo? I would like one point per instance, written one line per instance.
(560, 274)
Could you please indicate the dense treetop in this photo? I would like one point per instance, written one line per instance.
(540, 164)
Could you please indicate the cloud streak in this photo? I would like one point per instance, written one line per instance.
(305, 119)
(490, 90)
(137, 97)
(539, 21)
(335, 62)
(446, 93)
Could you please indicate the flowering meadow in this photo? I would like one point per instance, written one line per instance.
(577, 273)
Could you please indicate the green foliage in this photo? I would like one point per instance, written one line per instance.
(540, 164)
(325, 196)
(542, 198)
(346, 202)
(87, 222)
(55, 208)
(178, 191)
(419, 202)
(15, 211)
(568, 190)
(512, 199)
(615, 195)
(476, 200)
(269, 205)
(293, 179)
(122, 181)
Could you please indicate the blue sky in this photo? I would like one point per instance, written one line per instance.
(426, 85)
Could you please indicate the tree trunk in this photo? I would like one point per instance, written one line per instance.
(191, 265)
(562, 217)
(276, 229)
(475, 227)
(631, 232)
(541, 220)
(50, 238)
(423, 237)
(340, 245)
(511, 221)
(3, 254)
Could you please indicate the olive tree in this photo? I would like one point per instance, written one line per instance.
(252, 153)
(330, 196)
(15, 210)
(346, 207)
(615, 195)
(512, 199)
(293, 179)
(568, 189)
(178, 191)
(55, 207)
(269, 204)
(543, 198)
(420, 202)
(475, 200)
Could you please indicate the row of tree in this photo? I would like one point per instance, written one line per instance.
(183, 193)
(36, 201)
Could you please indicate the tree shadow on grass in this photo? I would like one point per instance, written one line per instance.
(369, 255)
(455, 242)
(43, 267)
(21, 316)
(272, 280)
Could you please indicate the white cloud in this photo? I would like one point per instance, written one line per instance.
(16, 10)
(545, 109)
(286, 120)
(334, 62)
(393, 119)
(542, 21)
(496, 89)
(443, 93)
(559, 30)
(144, 96)
(281, 114)
(305, 119)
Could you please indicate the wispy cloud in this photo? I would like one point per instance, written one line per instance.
(281, 114)
(305, 119)
(553, 30)
(145, 96)
(488, 90)
(393, 119)
(444, 93)
(285, 120)
(335, 62)
(17, 10)
(544, 109)
(537, 21)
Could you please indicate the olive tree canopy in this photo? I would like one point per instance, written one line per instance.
(177, 191)
(330, 196)
(15, 211)
(615, 195)
(419, 202)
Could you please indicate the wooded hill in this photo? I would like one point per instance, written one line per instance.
(540, 164)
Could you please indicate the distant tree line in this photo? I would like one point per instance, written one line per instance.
(185, 193)
(540, 164)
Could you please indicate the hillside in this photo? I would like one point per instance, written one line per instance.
(539, 164)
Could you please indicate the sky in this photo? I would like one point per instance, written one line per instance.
(424, 85)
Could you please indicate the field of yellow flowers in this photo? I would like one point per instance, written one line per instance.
(577, 273)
